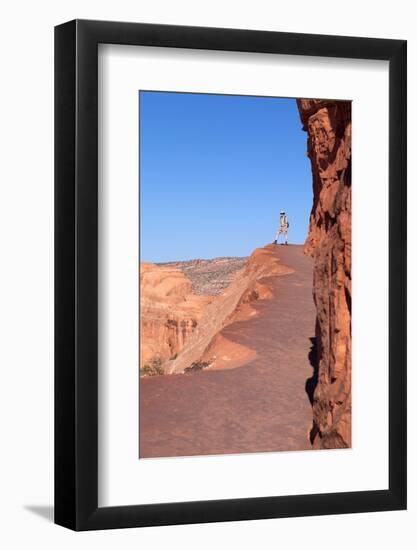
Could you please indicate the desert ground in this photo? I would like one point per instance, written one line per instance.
(234, 370)
(227, 354)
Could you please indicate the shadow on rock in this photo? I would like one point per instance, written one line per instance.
(311, 382)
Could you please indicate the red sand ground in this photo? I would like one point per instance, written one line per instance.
(261, 406)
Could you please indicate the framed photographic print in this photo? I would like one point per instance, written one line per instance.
(230, 244)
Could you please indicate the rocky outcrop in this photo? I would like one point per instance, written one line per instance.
(170, 313)
(180, 329)
(328, 125)
(206, 343)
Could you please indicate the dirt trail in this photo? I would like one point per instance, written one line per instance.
(261, 406)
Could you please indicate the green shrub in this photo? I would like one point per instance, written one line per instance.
(198, 365)
(152, 369)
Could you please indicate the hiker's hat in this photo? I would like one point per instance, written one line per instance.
(282, 212)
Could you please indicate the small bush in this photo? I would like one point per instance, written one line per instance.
(198, 365)
(152, 369)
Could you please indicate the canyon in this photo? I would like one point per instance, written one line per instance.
(170, 312)
(180, 326)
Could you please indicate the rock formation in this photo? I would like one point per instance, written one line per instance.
(233, 304)
(328, 125)
(170, 313)
(181, 329)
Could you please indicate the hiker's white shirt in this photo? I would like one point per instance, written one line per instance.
(283, 227)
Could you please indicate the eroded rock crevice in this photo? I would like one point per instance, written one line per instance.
(328, 126)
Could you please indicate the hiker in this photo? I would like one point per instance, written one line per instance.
(283, 227)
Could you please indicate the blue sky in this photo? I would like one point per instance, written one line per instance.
(215, 171)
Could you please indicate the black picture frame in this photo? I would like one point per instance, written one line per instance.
(76, 272)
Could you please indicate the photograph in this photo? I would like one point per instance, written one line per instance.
(245, 274)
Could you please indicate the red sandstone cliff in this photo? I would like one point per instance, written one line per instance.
(328, 125)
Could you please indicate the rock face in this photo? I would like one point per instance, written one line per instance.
(170, 313)
(328, 125)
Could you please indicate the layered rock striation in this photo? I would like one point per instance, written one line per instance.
(170, 313)
(328, 125)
